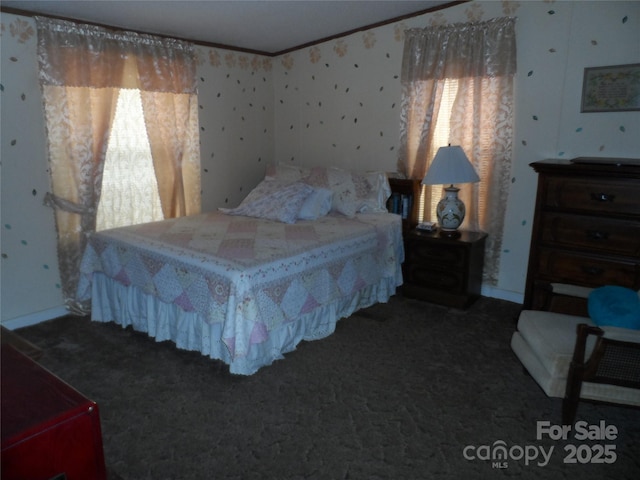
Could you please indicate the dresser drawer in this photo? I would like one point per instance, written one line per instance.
(568, 267)
(593, 195)
(594, 233)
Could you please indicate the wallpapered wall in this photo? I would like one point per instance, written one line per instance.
(235, 97)
(336, 103)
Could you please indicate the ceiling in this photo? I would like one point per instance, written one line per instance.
(264, 26)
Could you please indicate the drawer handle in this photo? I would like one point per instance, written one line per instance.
(602, 197)
(592, 270)
(597, 235)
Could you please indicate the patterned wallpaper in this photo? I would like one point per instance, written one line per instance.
(236, 142)
(336, 103)
(235, 96)
(30, 279)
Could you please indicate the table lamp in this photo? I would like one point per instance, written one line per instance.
(449, 166)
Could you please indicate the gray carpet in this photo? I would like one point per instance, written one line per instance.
(397, 392)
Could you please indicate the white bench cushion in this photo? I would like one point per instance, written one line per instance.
(552, 337)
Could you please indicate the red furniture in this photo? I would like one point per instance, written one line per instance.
(49, 430)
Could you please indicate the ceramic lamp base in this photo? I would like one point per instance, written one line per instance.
(450, 212)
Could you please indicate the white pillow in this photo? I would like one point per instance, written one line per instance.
(274, 201)
(317, 205)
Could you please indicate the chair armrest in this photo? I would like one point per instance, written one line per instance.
(570, 290)
(562, 298)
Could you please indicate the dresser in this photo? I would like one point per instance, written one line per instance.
(586, 230)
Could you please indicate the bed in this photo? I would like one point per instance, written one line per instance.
(245, 285)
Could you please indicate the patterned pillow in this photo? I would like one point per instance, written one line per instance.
(374, 198)
(345, 199)
(352, 192)
(273, 200)
(286, 173)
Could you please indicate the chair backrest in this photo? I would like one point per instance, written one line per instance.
(614, 362)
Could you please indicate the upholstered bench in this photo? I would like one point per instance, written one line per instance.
(545, 343)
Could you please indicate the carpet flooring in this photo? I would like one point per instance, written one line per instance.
(401, 390)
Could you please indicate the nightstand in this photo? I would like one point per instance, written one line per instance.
(441, 269)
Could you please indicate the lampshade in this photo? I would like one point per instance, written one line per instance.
(449, 166)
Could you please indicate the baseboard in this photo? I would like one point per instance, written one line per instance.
(507, 295)
(35, 318)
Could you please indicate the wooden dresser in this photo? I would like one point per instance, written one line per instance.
(586, 229)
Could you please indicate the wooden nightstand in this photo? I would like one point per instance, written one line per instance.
(443, 270)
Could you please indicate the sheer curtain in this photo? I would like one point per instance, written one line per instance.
(478, 60)
(82, 69)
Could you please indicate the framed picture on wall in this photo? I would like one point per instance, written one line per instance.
(611, 89)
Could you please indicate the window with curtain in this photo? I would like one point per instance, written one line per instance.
(122, 133)
(428, 201)
(457, 88)
(128, 199)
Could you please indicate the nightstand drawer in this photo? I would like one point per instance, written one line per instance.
(568, 267)
(595, 195)
(451, 281)
(599, 234)
(434, 254)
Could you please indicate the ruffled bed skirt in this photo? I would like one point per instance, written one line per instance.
(129, 306)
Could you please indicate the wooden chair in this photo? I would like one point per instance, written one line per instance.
(612, 362)
(571, 358)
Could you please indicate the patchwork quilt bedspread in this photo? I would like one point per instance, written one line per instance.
(250, 275)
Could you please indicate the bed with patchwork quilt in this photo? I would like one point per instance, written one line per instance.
(240, 288)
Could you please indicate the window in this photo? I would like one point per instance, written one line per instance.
(473, 63)
(129, 186)
(440, 138)
(96, 84)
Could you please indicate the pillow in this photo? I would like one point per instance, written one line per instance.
(352, 192)
(615, 306)
(317, 205)
(286, 173)
(340, 182)
(374, 199)
(274, 201)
